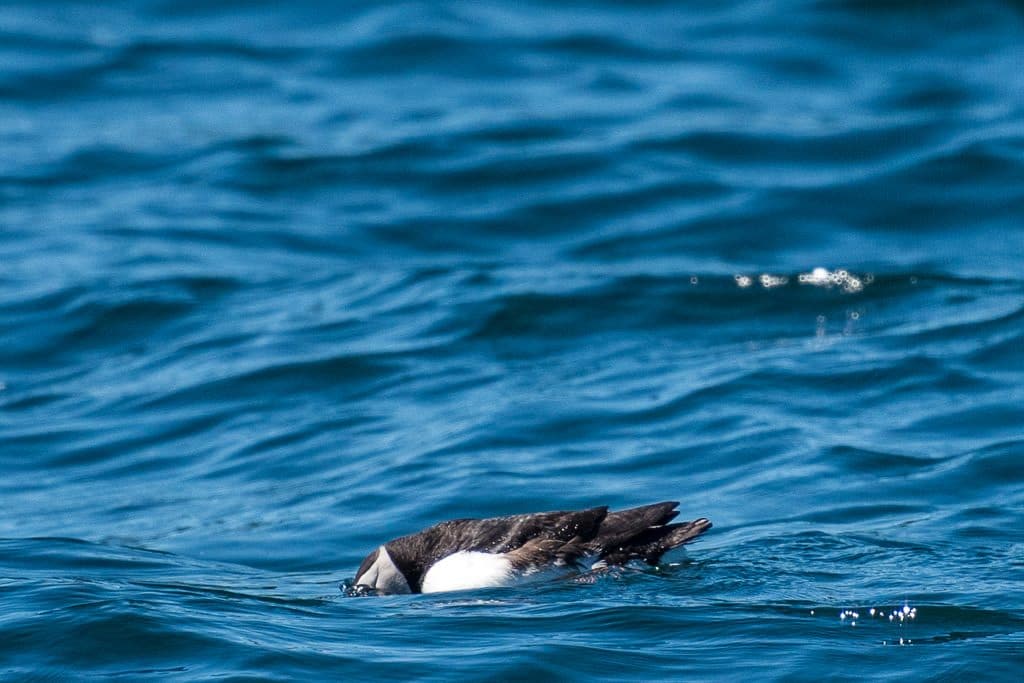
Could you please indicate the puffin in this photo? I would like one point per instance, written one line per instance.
(467, 554)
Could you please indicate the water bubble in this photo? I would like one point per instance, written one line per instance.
(768, 281)
(822, 277)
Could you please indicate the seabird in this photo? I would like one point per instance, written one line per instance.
(464, 554)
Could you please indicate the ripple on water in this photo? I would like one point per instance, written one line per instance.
(279, 282)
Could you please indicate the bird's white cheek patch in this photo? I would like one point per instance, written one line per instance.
(468, 570)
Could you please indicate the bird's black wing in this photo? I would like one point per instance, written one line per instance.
(644, 533)
(529, 540)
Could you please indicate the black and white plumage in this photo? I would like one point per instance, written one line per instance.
(464, 554)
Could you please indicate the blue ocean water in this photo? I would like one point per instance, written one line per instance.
(281, 281)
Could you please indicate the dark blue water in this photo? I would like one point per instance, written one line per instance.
(281, 281)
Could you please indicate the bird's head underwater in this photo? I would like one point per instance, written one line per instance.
(379, 575)
(471, 553)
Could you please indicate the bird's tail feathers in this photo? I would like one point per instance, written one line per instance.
(684, 532)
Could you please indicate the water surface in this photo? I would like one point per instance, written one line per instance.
(280, 282)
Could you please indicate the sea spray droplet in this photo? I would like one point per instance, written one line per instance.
(769, 281)
(902, 614)
(822, 277)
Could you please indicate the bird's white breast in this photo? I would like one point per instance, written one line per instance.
(468, 570)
